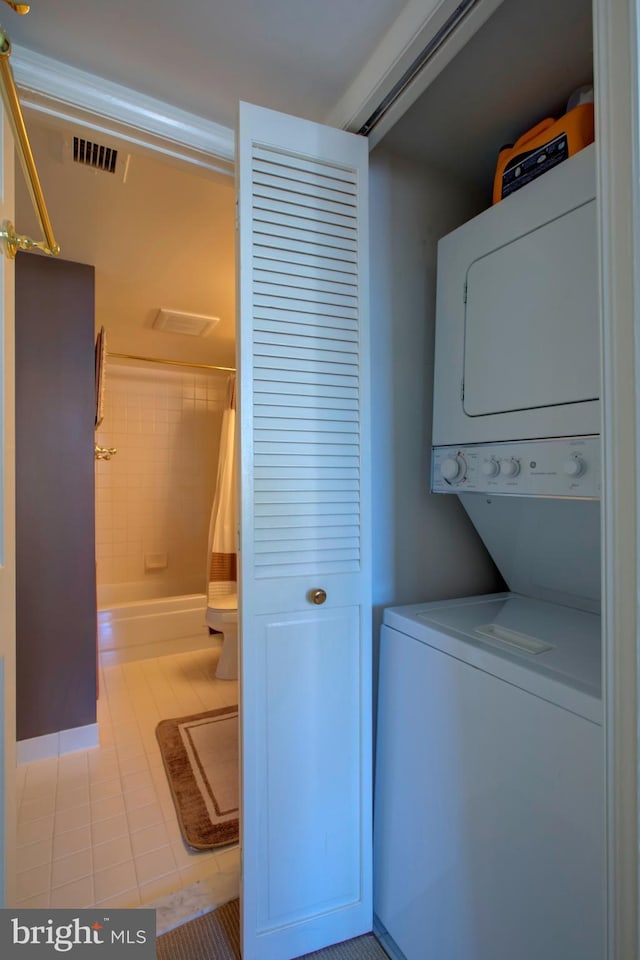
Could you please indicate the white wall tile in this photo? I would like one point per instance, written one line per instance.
(155, 495)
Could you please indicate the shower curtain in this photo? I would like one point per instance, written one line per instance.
(222, 529)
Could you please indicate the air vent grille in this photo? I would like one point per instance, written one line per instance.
(94, 155)
(176, 321)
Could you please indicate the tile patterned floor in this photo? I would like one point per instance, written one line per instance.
(98, 826)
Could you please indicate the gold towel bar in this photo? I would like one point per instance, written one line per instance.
(11, 241)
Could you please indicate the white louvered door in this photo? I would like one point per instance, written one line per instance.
(305, 527)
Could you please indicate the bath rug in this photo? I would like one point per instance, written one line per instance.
(216, 936)
(200, 756)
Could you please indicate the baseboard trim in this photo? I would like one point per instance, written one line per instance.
(386, 940)
(56, 744)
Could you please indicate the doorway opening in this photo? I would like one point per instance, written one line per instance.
(100, 825)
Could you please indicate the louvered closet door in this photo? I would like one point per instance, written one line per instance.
(305, 666)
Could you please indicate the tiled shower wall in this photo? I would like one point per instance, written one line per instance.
(153, 498)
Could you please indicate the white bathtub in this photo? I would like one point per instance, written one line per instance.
(136, 621)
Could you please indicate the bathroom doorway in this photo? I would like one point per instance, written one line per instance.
(100, 825)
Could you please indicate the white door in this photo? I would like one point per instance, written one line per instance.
(7, 539)
(305, 532)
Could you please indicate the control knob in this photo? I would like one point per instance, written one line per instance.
(490, 468)
(574, 466)
(510, 468)
(453, 469)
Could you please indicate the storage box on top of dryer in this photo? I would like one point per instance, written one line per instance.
(541, 148)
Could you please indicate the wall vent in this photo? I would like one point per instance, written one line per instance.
(98, 156)
(94, 155)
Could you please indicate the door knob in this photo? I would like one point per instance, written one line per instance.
(318, 596)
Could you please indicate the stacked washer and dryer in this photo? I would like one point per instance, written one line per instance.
(489, 824)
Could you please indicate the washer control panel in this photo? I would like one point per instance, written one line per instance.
(564, 467)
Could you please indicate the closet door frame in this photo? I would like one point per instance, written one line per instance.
(616, 54)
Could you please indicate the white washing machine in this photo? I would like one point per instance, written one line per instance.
(489, 781)
(489, 821)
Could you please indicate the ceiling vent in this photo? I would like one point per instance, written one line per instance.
(97, 156)
(175, 321)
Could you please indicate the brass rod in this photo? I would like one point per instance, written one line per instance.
(174, 363)
(25, 154)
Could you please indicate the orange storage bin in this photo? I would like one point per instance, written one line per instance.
(541, 148)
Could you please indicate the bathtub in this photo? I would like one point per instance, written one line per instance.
(140, 620)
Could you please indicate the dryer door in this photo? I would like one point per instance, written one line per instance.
(531, 321)
(517, 319)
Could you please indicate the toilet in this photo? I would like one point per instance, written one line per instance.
(222, 615)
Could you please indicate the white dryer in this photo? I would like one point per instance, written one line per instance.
(489, 781)
(516, 410)
(517, 334)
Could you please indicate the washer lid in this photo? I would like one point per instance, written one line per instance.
(550, 650)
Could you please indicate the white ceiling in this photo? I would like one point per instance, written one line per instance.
(205, 55)
(519, 68)
(166, 237)
(202, 56)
